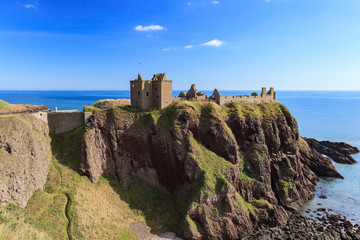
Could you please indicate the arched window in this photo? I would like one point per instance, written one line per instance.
(139, 93)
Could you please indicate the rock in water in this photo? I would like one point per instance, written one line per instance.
(339, 152)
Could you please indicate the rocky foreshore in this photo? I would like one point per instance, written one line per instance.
(325, 226)
(338, 151)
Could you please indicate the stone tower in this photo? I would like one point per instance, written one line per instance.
(151, 94)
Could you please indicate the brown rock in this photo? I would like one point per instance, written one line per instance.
(25, 155)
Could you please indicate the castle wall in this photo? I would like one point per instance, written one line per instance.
(162, 93)
(136, 93)
(60, 122)
(264, 97)
(147, 95)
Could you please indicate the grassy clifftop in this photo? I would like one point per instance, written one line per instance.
(7, 108)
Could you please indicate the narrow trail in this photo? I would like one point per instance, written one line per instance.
(67, 209)
(68, 201)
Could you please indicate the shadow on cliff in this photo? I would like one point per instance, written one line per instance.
(149, 147)
(157, 207)
(67, 148)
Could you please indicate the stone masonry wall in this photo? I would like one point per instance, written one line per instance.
(264, 97)
(151, 94)
(60, 122)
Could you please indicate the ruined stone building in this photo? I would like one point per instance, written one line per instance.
(193, 93)
(254, 98)
(151, 94)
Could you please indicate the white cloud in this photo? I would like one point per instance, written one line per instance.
(189, 46)
(149, 28)
(189, 3)
(29, 6)
(215, 2)
(214, 43)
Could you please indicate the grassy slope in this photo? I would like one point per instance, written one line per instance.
(13, 227)
(72, 207)
(4, 105)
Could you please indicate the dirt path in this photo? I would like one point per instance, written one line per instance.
(143, 233)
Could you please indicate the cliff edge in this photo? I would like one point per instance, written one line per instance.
(25, 155)
(228, 169)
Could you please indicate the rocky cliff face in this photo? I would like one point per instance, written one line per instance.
(24, 157)
(229, 169)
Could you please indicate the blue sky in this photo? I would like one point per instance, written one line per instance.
(224, 44)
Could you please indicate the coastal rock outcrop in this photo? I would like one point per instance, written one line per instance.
(229, 169)
(339, 152)
(25, 154)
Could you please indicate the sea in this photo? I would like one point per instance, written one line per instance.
(324, 115)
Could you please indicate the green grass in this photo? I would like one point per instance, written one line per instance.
(286, 185)
(261, 203)
(212, 166)
(13, 226)
(4, 105)
(3, 152)
(263, 111)
(46, 212)
(53, 183)
(247, 176)
(125, 234)
(158, 208)
(92, 109)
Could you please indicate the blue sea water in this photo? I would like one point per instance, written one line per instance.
(324, 115)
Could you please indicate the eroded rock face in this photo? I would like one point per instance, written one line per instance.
(339, 152)
(229, 169)
(25, 154)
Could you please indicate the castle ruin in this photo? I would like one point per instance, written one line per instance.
(193, 93)
(151, 94)
(253, 98)
(157, 93)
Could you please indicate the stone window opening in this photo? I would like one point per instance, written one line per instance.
(147, 93)
(139, 93)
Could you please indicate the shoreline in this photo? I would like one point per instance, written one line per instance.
(325, 226)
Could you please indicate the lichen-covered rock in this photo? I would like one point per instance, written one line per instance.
(25, 155)
(229, 169)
